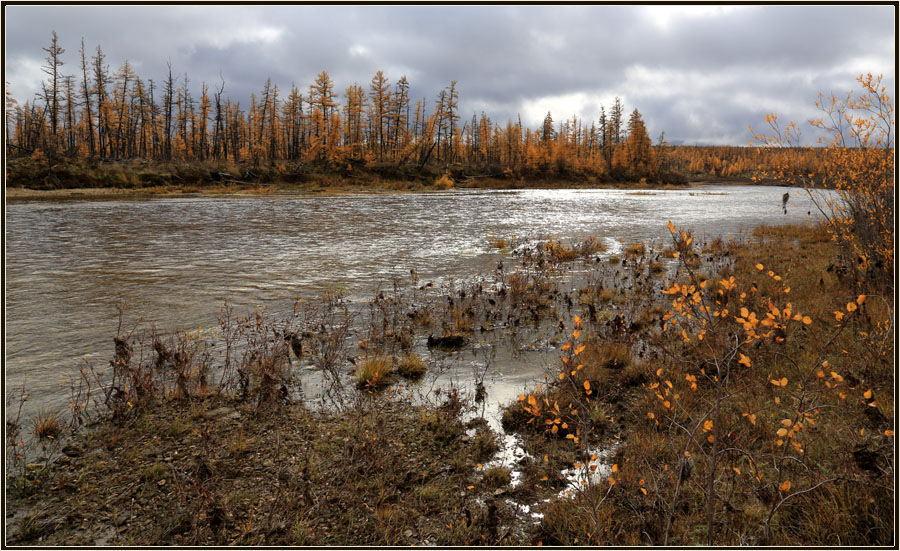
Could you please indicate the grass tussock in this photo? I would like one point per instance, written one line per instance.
(48, 426)
(374, 371)
(635, 249)
(411, 366)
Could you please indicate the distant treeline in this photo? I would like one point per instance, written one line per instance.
(95, 114)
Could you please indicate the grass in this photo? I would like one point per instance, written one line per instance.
(411, 366)
(635, 249)
(47, 426)
(155, 472)
(613, 355)
(560, 251)
(374, 371)
(379, 475)
(497, 477)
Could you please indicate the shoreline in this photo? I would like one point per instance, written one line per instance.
(25, 194)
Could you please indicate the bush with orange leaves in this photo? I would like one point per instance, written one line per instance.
(859, 165)
(736, 436)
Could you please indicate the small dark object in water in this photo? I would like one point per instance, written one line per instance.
(784, 200)
(296, 343)
(163, 354)
(448, 342)
(123, 351)
(480, 392)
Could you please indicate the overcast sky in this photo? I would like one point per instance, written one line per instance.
(702, 74)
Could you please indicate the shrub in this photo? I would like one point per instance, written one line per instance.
(444, 182)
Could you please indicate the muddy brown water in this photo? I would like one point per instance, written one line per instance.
(174, 262)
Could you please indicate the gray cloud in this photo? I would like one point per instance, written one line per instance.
(700, 73)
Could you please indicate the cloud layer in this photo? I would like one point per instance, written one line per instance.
(699, 73)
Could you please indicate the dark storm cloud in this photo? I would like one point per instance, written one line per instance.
(701, 73)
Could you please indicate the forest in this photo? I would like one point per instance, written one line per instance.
(91, 115)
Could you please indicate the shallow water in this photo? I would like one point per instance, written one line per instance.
(174, 262)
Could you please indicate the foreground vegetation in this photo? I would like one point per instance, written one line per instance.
(712, 430)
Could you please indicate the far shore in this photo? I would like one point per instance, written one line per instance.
(22, 193)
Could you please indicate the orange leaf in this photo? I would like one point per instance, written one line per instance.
(785, 486)
(745, 360)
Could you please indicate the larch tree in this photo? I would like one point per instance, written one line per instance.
(322, 103)
(616, 114)
(51, 87)
(638, 147)
(379, 95)
(86, 100)
(452, 116)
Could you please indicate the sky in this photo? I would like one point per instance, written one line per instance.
(699, 73)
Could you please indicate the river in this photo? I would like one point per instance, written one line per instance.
(173, 262)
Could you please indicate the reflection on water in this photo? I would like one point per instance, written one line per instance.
(175, 261)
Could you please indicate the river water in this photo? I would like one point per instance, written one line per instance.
(173, 262)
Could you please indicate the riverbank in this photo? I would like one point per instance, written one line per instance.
(311, 190)
(30, 179)
(174, 458)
